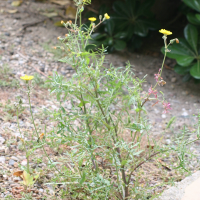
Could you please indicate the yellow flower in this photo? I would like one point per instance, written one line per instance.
(62, 22)
(27, 78)
(165, 32)
(92, 19)
(106, 16)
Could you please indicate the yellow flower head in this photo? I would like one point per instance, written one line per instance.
(92, 19)
(62, 22)
(27, 78)
(165, 32)
(106, 16)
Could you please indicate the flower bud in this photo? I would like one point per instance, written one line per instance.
(177, 41)
(100, 17)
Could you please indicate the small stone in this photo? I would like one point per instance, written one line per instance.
(173, 79)
(24, 162)
(7, 34)
(42, 69)
(15, 158)
(164, 116)
(15, 164)
(11, 162)
(2, 159)
(185, 93)
(41, 190)
(2, 140)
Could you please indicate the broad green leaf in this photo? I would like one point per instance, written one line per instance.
(140, 28)
(120, 35)
(119, 45)
(121, 9)
(181, 70)
(98, 36)
(193, 19)
(198, 17)
(191, 35)
(195, 70)
(110, 27)
(194, 4)
(184, 60)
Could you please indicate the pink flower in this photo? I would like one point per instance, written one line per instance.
(166, 107)
(152, 91)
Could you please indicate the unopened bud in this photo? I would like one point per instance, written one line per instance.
(66, 35)
(172, 41)
(55, 47)
(177, 41)
(62, 22)
(100, 17)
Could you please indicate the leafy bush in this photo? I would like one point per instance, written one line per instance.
(193, 18)
(187, 54)
(105, 129)
(130, 21)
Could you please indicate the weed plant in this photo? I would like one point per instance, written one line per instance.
(106, 129)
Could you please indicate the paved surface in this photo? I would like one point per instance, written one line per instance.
(187, 189)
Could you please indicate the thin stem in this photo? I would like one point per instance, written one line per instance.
(27, 157)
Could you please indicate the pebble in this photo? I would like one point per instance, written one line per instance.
(185, 93)
(2, 140)
(173, 79)
(2, 159)
(14, 158)
(184, 113)
(41, 190)
(11, 162)
(164, 116)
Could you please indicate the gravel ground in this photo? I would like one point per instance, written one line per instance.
(29, 50)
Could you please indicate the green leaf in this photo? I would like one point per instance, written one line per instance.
(198, 17)
(83, 178)
(119, 45)
(191, 35)
(194, 4)
(140, 28)
(109, 28)
(195, 70)
(120, 35)
(65, 59)
(29, 180)
(98, 36)
(181, 70)
(193, 19)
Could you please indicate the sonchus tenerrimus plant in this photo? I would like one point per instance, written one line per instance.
(105, 125)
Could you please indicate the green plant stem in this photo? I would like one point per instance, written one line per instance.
(33, 121)
(117, 149)
(27, 157)
(29, 100)
(90, 132)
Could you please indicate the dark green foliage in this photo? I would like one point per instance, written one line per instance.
(187, 54)
(130, 21)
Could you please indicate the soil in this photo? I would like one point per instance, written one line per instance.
(26, 47)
